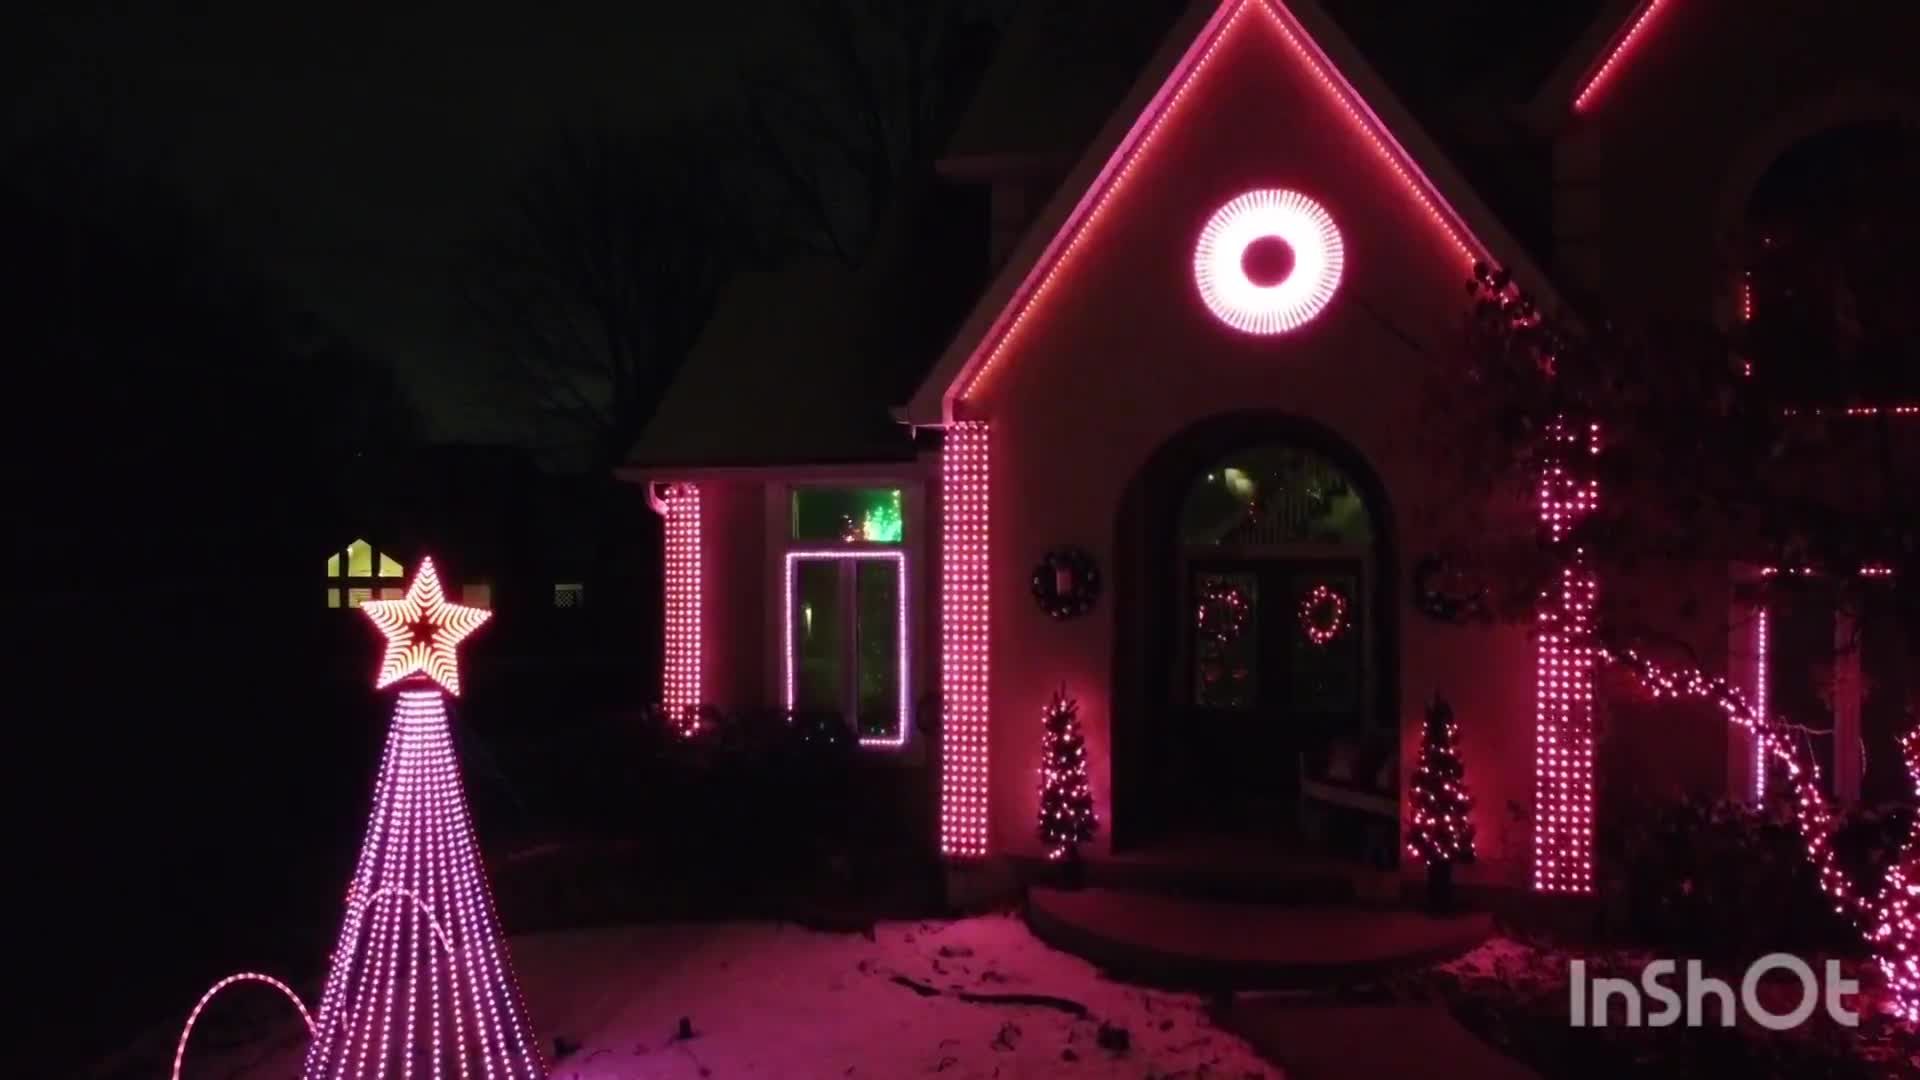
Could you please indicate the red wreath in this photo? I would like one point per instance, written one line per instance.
(1323, 614)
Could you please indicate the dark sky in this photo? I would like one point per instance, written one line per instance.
(354, 155)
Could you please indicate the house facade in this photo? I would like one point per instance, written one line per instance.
(1171, 463)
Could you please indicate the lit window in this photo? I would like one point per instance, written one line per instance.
(569, 595)
(361, 565)
(848, 515)
(479, 594)
(846, 645)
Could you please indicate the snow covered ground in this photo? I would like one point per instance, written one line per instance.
(767, 1000)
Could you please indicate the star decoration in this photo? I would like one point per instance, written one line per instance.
(422, 630)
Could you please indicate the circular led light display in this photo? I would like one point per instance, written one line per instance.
(1268, 261)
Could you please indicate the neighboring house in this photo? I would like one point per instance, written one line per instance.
(1198, 360)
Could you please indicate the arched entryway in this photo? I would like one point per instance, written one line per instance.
(1256, 634)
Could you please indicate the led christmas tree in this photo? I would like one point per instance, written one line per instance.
(421, 983)
(1441, 834)
(1066, 802)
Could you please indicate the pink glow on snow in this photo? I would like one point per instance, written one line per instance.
(899, 561)
(1256, 307)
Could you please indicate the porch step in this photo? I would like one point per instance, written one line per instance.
(1220, 945)
(1251, 876)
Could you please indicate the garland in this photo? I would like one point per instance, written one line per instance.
(1323, 614)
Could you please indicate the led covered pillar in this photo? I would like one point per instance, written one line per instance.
(1563, 673)
(964, 630)
(421, 983)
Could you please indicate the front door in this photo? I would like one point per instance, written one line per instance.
(1272, 657)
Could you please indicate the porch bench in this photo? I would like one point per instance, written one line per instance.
(1353, 782)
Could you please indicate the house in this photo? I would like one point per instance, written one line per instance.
(1167, 461)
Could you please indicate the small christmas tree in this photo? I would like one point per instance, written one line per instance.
(1066, 802)
(1441, 834)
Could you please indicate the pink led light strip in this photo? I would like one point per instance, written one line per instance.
(1760, 646)
(180, 1050)
(1563, 679)
(424, 987)
(1140, 139)
(899, 561)
(1616, 54)
(965, 636)
(680, 690)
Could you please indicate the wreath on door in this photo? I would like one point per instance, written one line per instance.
(1066, 583)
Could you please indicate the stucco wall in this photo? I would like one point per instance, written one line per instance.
(1122, 355)
(1651, 175)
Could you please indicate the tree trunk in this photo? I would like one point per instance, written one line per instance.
(1440, 888)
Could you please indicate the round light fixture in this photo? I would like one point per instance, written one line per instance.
(1268, 261)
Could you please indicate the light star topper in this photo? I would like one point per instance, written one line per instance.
(422, 630)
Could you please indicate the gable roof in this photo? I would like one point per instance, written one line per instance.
(1312, 39)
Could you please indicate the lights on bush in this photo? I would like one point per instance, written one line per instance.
(965, 633)
(680, 679)
(1268, 303)
(904, 659)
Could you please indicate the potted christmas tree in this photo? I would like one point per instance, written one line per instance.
(1066, 802)
(1441, 833)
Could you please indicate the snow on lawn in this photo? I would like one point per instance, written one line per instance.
(777, 1001)
(767, 1000)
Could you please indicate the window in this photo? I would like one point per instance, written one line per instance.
(848, 515)
(846, 640)
(479, 594)
(363, 568)
(569, 595)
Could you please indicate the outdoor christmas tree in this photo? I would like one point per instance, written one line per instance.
(1066, 802)
(421, 983)
(1441, 834)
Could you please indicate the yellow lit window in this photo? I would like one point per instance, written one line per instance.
(361, 565)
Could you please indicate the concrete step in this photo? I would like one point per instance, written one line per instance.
(1232, 945)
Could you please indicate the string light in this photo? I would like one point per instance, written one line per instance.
(965, 637)
(1889, 919)
(1616, 54)
(1135, 147)
(899, 560)
(425, 984)
(680, 680)
(180, 1049)
(1323, 614)
(428, 980)
(1067, 819)
(1262, 307)
(1760, 703)
(1441, 830)
(422, 629)
(1563, 674)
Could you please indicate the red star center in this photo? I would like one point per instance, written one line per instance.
(422, 630)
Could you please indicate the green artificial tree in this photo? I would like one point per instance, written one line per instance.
(1441, 834)
(1066, 801)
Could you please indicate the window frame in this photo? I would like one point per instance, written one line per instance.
(913, 675)
(849, 560)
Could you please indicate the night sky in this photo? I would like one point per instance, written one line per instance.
(355, 156)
